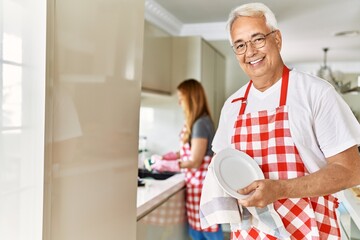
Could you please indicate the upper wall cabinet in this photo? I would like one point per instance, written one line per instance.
(170, 60)
(156, 60)
(195, 58)
(186, 59)
(220, 73)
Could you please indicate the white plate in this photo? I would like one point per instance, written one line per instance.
(234, 169)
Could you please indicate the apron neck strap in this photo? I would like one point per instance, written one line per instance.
(284, 86)
(244, 101)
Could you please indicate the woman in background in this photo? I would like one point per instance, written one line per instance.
(195, 154)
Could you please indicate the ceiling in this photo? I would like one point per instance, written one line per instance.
(307, 26)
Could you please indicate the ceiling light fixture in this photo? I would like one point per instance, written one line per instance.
(352, 33)
(326, 73)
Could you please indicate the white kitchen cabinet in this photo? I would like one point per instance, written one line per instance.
(195, 58)
(219, 86)
(186, 59)
(93, 80)
(156, 60)
(208, 70)
(169, 60)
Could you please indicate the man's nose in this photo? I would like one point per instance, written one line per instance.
(250, 49)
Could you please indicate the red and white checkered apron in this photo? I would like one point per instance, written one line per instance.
(194, 178)
(265, 136)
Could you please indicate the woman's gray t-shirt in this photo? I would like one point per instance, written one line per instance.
(204, 128)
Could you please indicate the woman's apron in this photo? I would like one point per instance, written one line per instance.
(194, 178)
(265, 136)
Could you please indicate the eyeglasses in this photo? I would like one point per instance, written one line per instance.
(257, 42)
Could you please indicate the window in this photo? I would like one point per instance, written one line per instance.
(22, 99)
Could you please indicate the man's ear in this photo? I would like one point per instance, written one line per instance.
(278, 39)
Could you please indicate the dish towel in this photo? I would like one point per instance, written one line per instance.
(218, 207)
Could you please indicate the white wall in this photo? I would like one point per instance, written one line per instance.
(235, 76)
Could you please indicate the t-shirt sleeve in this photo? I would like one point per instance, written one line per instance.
(200, 129)
(335, 125)
(204, 128)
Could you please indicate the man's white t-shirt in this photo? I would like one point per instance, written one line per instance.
(321, 123)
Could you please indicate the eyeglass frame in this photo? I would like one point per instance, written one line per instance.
(253, 44)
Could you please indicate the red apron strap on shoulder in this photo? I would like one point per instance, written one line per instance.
(243, 99)
(284, 86)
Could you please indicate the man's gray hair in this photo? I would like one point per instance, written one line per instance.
(252, 10)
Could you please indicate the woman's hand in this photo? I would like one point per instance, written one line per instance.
(161, 165)
(171, 156)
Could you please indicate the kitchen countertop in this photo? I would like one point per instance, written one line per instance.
(352, 205)
(155, 192)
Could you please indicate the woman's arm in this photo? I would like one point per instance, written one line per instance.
(198, 151)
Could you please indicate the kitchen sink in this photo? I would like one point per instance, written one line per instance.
(144, 173)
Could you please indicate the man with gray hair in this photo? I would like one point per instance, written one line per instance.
(295, 126)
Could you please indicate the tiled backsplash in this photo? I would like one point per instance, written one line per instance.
(161, 120)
